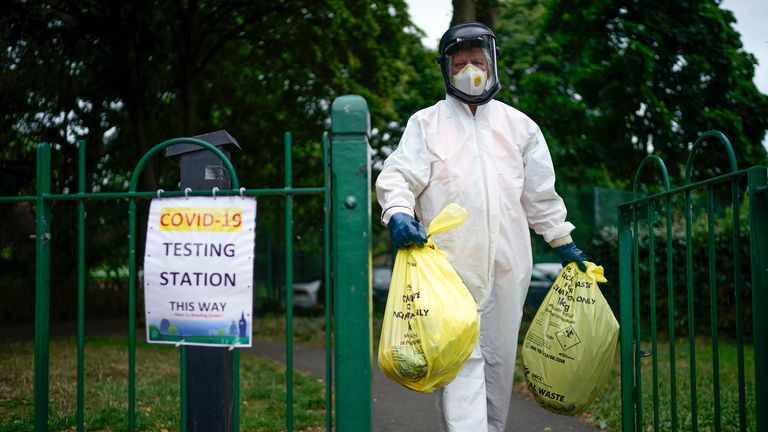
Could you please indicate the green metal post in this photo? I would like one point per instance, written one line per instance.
(81, 289)
(272, 293)
(327, 284)
(132, 316)
(351, 242)
(42, 286)
(713, 303)
(691, 315)
(288, 173)
(626, 327)
(738, 288)
(638, 339)
(654, 339)
(671, 314)
(758, 208)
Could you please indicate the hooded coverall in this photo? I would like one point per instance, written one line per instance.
(497, 166)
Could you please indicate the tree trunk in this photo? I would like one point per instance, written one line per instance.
(190, 56)
(487, 12)
(484, 11)
(149, 177)
(463, 11)
(132, 80)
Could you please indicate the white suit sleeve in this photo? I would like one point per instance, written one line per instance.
(544, 208)
(405, 173)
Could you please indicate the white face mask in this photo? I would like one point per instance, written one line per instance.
(470, 80)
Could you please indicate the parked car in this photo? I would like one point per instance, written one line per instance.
(381, 278)
(308, 294)
(543, 275)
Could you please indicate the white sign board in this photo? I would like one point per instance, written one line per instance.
(198, 271)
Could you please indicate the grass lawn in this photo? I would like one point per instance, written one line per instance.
(605, 412)
(263, 385)
(262, 388)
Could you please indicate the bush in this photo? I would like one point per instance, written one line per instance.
(605, 250)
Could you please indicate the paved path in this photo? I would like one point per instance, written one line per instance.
(397, 409)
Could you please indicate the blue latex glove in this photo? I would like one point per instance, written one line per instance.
(569, 253)
(406, 231)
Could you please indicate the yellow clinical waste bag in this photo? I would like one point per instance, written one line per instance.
(430, 323)
(569, 348)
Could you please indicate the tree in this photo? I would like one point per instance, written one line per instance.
(613, 77)
(154, 70)
(484, 11)
(127, 75)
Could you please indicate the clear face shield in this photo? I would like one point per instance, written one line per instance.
(471, 66)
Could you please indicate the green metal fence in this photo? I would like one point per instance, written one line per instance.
(347, 245)
(693, 264)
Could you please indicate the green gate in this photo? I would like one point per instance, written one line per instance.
(693, 262)
(347, 245)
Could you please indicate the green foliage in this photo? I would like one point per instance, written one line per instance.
(615, 77)
(605, 412)
(125, 76)
(605, 249)
(602, 79)
(185, 68)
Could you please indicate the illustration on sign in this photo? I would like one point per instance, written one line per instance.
(198, 271)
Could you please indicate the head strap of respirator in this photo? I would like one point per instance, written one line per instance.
(475, 41)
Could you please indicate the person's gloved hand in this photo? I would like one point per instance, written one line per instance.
(406, 231)
(569, 253)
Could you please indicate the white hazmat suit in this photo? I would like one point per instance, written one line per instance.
(497, 166)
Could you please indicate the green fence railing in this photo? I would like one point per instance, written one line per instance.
(347, 207)
(713, 282)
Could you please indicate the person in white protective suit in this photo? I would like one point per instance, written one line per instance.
(492, 160)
